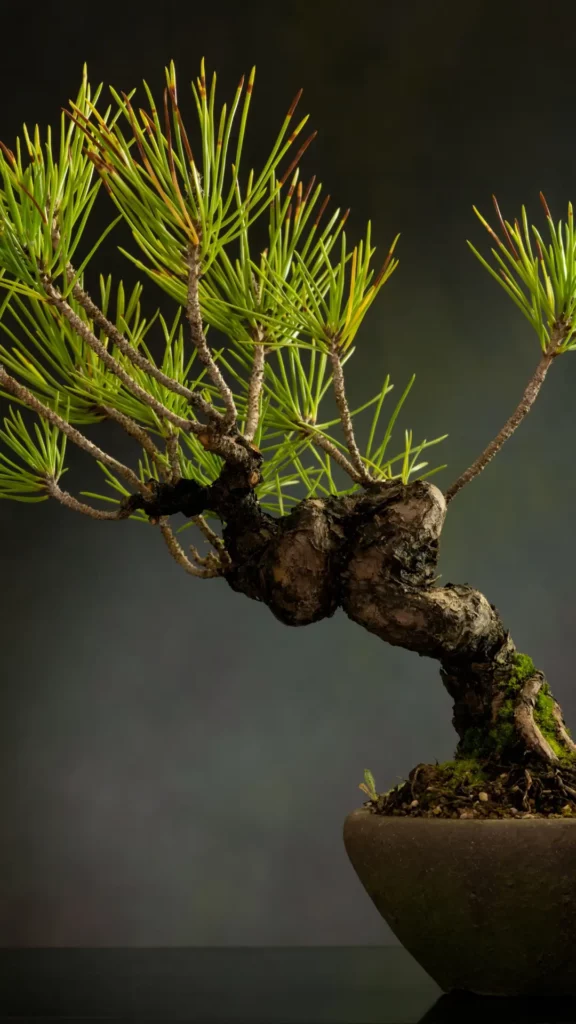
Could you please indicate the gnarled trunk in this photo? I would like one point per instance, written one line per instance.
(375, 555)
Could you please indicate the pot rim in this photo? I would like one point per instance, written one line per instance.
(410, 818)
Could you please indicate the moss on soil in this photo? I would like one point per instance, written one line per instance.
(468, 788)
(490, 776)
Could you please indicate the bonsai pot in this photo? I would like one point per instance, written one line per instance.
(484, 905)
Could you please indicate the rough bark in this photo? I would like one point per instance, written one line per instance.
(375, 554)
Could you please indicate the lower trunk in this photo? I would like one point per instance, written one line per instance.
(506, 712)
(375, 554)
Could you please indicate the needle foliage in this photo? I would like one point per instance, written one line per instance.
(175, 187)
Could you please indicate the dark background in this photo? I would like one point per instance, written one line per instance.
(176, 765)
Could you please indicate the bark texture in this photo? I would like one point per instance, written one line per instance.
(375, 554)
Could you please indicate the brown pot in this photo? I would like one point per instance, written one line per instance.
(485, 906)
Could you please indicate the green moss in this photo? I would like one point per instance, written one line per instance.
(461, 769)
(545, 720)
(480, 743)
(522, 668)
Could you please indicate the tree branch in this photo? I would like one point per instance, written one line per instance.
(172, 449)
(334, 453)
(254, 391)
(194, 316)
(138, 433)
(523, 408)
(26, 396)
(213, 538)
(79, 506)
(180, 556)
(83, 331)
(136, 357)
(345, 417)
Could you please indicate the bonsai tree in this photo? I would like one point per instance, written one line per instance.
(251, 436)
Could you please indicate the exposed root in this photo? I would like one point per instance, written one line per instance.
(561, 729)
(473, 789)
(524, 718)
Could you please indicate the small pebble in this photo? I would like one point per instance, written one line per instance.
(483, 796)
(437, 810)
(414, 803)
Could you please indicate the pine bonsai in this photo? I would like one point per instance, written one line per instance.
(238, 435)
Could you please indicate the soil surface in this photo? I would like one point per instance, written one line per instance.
(470, 789)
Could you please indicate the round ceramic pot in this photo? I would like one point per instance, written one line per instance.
(484, 905)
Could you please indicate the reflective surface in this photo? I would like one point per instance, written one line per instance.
(313, 985)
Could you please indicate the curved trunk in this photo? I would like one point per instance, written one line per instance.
(375, 555)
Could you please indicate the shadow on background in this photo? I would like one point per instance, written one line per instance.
(465, 1008)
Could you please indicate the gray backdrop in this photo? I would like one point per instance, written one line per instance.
(160, 784)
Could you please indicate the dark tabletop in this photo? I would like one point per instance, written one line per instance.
(246, 985)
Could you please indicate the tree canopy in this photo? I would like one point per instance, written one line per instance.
(256, 258)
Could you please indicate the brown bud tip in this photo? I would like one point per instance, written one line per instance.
(545, 205)
(309, 188)
(321, 211)
(8, 153)
(294, 103)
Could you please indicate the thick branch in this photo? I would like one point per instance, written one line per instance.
(345, 417)
(526, 402)
(194, 315)
(26, 396)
